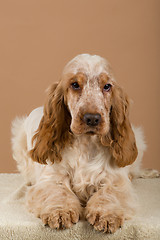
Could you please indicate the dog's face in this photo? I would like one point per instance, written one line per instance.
(89, 100)
(88, 94)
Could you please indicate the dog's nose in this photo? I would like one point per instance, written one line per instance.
(92, 119)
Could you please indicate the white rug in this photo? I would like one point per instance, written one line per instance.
(17, 224)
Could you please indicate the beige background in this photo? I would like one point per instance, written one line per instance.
(37, 38)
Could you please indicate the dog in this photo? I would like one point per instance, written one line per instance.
(79, 151)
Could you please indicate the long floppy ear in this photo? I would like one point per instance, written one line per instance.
(53, 131)
(121, 139)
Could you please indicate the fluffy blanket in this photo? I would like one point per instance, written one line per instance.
(17, 224)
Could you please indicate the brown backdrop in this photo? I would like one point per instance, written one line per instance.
(37, 38)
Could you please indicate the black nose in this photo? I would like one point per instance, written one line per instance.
(92, 119)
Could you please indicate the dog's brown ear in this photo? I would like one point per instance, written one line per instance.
(120, 139)
(53, 131)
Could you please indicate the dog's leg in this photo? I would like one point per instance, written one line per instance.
(54, 203)
(107, 209)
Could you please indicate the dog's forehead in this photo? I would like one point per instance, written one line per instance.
(90, 65)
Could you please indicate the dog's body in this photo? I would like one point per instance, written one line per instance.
(92, 145)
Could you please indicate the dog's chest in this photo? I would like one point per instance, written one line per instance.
(87, 162)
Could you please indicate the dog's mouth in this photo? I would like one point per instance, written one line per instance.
(90, 133)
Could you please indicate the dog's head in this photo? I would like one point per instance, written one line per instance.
(87, 100)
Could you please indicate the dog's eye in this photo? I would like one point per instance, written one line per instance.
(107, 87)
(75, 85)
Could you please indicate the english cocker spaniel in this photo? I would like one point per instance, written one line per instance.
(78, 152)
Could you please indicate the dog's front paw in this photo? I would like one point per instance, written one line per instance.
(102, 221)
(60, 218)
